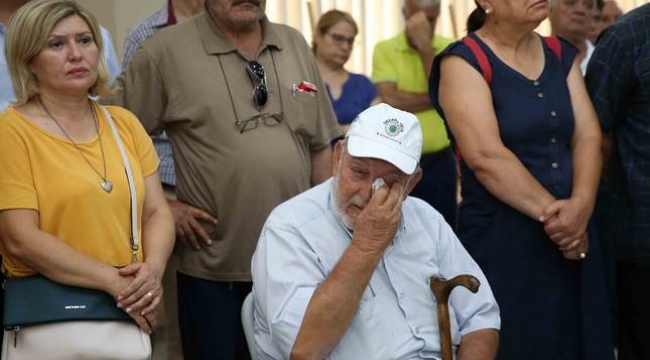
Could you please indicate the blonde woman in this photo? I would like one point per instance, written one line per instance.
(65, 201)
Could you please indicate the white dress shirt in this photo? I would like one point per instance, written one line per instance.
(585, 61)
(302, 241)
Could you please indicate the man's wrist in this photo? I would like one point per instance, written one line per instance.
(366, 247)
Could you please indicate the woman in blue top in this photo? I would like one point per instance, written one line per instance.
(333, 41)
(530, 146)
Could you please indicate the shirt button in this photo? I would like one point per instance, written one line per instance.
(401, 295)
(553, 113)
(555, 165)
(553, 140)
(540, 95)
(536, 83)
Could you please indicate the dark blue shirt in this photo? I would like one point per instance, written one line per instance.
(535, 121)
(557, 318)
(357, 94)
(618, 80)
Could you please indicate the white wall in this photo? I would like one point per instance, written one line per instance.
(378, 19)
(118, 16)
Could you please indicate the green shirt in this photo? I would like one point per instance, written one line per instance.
(395, 61)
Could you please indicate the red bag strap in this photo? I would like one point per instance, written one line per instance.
(480, 56)
(486, 69)
(554, 44)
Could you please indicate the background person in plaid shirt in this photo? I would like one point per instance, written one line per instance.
(172, 12)
(618, 79)
(166, 340)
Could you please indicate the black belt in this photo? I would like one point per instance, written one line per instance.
(436, 156)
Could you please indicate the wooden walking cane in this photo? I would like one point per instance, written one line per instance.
(441, 289)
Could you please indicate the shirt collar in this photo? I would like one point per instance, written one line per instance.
(215, 42)
(171, 18)
(160, 19)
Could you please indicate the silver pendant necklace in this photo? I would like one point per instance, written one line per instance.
(105, 184)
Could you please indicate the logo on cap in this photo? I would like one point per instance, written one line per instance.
(392, 127)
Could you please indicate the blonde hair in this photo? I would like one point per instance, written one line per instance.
(27, 34)
(331, 18)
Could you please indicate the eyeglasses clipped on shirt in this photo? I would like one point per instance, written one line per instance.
(251, 122)
(257, 76)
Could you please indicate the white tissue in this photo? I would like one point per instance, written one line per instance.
(377, 184)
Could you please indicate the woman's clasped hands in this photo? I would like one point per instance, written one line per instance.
(140, 294)
(565, 223)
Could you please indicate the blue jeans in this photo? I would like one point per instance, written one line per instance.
(209, 315)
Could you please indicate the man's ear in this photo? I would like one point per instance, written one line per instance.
(414, 180)
(339, 147)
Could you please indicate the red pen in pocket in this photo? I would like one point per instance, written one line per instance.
(305, 87)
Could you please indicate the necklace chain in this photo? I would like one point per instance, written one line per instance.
(99, 135)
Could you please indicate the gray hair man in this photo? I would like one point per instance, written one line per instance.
(400, 70)
(250, 125)
(572, 19)
(341, 270)
(607, 13)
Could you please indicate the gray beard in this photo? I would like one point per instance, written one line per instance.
(338, 207)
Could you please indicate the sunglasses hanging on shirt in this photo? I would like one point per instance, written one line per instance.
(257, 75)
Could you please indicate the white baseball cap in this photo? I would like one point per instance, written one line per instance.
(383, 132)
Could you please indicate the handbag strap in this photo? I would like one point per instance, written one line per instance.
(481, 58)
(134, 241)
(553, 43)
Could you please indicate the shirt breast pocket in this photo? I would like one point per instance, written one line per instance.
(367, 304)
(303, 114)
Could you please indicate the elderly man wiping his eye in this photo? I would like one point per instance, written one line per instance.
(342, 273)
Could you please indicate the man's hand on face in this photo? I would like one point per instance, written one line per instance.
(376, 225)
(419, 31)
